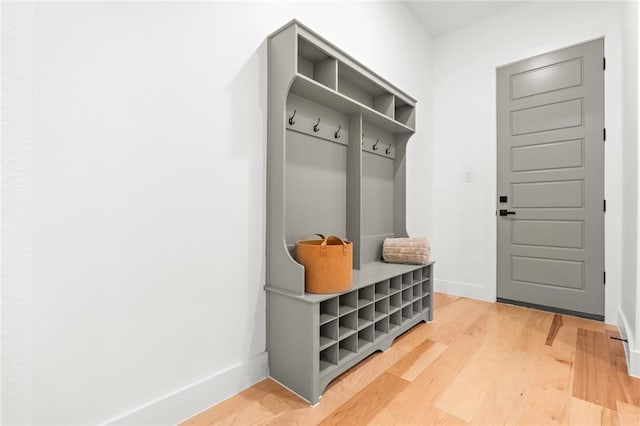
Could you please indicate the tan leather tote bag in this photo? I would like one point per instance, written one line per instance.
(328, 264)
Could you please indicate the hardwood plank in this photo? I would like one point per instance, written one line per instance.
(553, 330)
(628, 414)
(580, 412)
(412, 365)
(539, 406)
(364, 406)
(590, 379)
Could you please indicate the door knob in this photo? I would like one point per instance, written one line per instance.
(506, 212)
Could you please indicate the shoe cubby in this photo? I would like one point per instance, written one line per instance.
(395, 320)
(347, 325)
(328, 310)
(407, 313)
(407, 296)
(381, 327)
(407, 280)
(395, 302)
(328, 334)
(426, 287)
(382, 289)
(316, 64)
(337, 150)
(405, 113)
(417, 291)
(417, 307)
(426, 303)
(348, 303)
(381, 309)
(329, 357)
(396, 284)
(426, 272)
(365, 316)
(347, 347)
(365, 296)
(366, 336)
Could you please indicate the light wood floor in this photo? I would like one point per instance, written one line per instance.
(477, 363)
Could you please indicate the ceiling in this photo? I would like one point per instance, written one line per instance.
(442, 17)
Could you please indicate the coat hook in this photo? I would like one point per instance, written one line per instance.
(291, 120)
(375, 145)
(316, 127)
(337, 133)
(388, 150)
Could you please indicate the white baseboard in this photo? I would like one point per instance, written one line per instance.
(632, 354)
(197, 397)
(456, 288)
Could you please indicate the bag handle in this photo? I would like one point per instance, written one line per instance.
(319, 235)
(323, 245)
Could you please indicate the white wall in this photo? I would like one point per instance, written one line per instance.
(628, 314)
(465, 135)
(136, 186)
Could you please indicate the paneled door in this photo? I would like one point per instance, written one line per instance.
(550, 113)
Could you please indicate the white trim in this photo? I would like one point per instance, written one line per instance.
(457, 288)
(632, 355)
(197, 397)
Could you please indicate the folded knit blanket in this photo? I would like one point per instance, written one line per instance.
(406, 250)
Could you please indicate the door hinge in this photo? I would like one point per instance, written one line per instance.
(604, 205)
(604, 277)
(604, 63)
(604, 134)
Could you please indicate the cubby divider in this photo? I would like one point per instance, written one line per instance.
(395, 320)
(417, 276)
(382, 309)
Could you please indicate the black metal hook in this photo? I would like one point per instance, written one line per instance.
(291, 120)
(337, 133)
(375, 145)
(388, 150)
(316, 127)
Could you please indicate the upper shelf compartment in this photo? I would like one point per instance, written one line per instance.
(316, 64)
(353, 84)
(405, 113)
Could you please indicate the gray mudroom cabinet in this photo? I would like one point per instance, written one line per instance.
(336, 160)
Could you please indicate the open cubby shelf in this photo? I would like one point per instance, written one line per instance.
(336, 159)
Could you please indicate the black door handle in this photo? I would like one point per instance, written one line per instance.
(506, 212)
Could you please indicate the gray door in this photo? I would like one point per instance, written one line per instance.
(551, 170)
